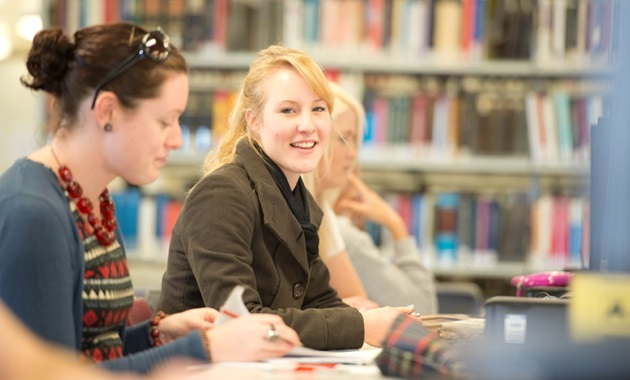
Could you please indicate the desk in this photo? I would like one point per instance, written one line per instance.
(262, 371)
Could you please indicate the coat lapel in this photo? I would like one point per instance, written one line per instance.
(277, 215)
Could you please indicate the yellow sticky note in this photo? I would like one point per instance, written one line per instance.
(600, 306)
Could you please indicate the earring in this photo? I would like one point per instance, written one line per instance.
(108, 127)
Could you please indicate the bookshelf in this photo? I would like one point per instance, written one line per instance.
(403, 158)
(426, 66)
(482, 67)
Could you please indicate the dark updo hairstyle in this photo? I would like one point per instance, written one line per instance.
(70, 71)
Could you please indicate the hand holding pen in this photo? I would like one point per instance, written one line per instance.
(252, 337)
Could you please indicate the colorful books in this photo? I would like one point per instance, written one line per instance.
(146, 222)
(544, 30)
(471, 230)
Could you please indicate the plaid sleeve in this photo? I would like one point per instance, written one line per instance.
(411, 351)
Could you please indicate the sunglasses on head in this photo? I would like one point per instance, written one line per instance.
(155, 45)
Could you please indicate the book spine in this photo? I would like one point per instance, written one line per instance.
(558, 42)
(369, 135)
(542, 225)
(447, 32)
(417, 220)
(563, 123)
(418, 132)
(479, 38)
(468, 27)
(219, 24)
(575, 232)
(551, 128)
(375, 24)
(147, 220)
(127, 205)
(293, 14)
(559, 232)
(381, 116)
(446, 229)
(544, 31)
(571, 32)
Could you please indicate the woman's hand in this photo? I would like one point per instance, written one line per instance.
(246, 339)
(360, 303)
(378, 322)
(360, 202)
(181, 324)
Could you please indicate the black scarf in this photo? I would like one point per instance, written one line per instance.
(298, 203)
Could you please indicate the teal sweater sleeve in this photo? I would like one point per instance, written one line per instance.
(42, 269)
(190, 347)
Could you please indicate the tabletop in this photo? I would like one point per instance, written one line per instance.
(263, 371)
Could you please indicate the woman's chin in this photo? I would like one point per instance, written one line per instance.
(142, 180)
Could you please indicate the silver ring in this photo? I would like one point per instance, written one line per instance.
(415, 314)
(272, 334)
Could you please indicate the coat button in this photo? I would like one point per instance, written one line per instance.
(298, 290)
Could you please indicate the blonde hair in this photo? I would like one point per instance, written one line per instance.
(251, 97)
(343, 102)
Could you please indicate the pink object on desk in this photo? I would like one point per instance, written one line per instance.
(553, 278)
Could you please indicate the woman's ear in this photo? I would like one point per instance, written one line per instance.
(104, 108)
(252, 122)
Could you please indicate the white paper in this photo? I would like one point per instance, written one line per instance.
(234, 307)
(309, 355)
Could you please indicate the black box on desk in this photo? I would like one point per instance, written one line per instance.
(529, 338)
(524, 321)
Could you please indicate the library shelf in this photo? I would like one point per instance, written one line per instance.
(502, 270)
(385, 63)
(409, 159)
(537, 56)
(403, 158)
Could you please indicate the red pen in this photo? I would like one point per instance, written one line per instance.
(229, 313)
(310, 367)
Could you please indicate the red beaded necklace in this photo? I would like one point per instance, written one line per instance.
(104, 232)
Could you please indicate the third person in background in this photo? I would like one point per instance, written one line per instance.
(390, 277)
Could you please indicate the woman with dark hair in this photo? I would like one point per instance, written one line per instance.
(118, 92)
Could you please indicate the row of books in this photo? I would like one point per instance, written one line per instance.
(447, 125)
(452, 229)
(462, 229)
(560, 234)
(193, 25)
(410, 29)
(559, 126)
(210, 109)
(551, 126)
(576, 30)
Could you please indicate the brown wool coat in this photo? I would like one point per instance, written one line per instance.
(236, 228)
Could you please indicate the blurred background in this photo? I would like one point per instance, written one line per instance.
(479, 114)
(20, 111)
